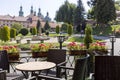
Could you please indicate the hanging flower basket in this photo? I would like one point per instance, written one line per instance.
(77, 52)
(13, 56)
(39, 54)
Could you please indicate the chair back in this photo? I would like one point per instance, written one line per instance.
(4, 64)
(107, 67)
(2, 75)
(80, 68)
(56, 55)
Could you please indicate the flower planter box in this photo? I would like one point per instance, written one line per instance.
(101, 52)
(13, 56)
(39, 54)
(77, 52)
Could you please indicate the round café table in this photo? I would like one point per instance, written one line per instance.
(34, 66)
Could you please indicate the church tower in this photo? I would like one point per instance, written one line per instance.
(31, 11)
(39, 12)
(47, 18)
(21, 12)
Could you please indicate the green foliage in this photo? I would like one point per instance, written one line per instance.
(79, 13)
(1, 33)
(17, 26)
(65, 13)
(104, 31)
(47, 33)
(90, 14)
(88, 36)
(38, 26)
(104, 11)
(34, 31)
(64, 27)
(70, 30)
(47, 26)
(12, 33)
(5, 33)
(24, 31)
(117, 5)
(57, 29)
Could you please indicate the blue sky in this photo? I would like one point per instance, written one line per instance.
(12, 7)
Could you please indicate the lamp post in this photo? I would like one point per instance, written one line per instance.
(112, 40)
(61, 39)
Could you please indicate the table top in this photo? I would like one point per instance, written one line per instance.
(35, 66)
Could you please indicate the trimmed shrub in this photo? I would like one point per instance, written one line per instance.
(34, 31)
(12, 33)
(88, 36)
(57, 29)
(5, 33)
(70, 30)
(24, 31)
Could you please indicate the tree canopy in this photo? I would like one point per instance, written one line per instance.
(65, 13)
(104, 11)
(79, 13)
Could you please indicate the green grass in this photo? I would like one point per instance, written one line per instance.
(79, 39)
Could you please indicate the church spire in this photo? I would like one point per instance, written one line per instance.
(39, 12)
(21, 12)
(31, 11)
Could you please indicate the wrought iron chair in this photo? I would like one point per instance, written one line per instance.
(107, 68)
(79, 70)
(2, 75)
(57, 56)
(5, 65)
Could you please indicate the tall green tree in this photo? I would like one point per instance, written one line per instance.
(17, 26)
(65, 12)
(104, 11)
(38, 27)
(79, 14)
(47, 26)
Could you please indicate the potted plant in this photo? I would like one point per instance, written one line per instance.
(99, 48)
(76, 49)
(40, 50)
(13, 52)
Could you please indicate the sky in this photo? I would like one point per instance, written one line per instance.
(12, 7)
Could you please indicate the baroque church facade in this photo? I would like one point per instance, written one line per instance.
(27, 21)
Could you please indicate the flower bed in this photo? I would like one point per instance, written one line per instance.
(13, 52)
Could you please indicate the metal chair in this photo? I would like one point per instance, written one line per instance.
(57, 56)
(5, 65)
(2, 75)
(78, 74)
(107, 68)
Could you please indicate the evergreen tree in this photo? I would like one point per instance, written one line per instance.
(57, 29)
(34, 31)
(47, 26)
(79, 14)
(70, 30)
(65, 13)
(104, 11)
(38, 27)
